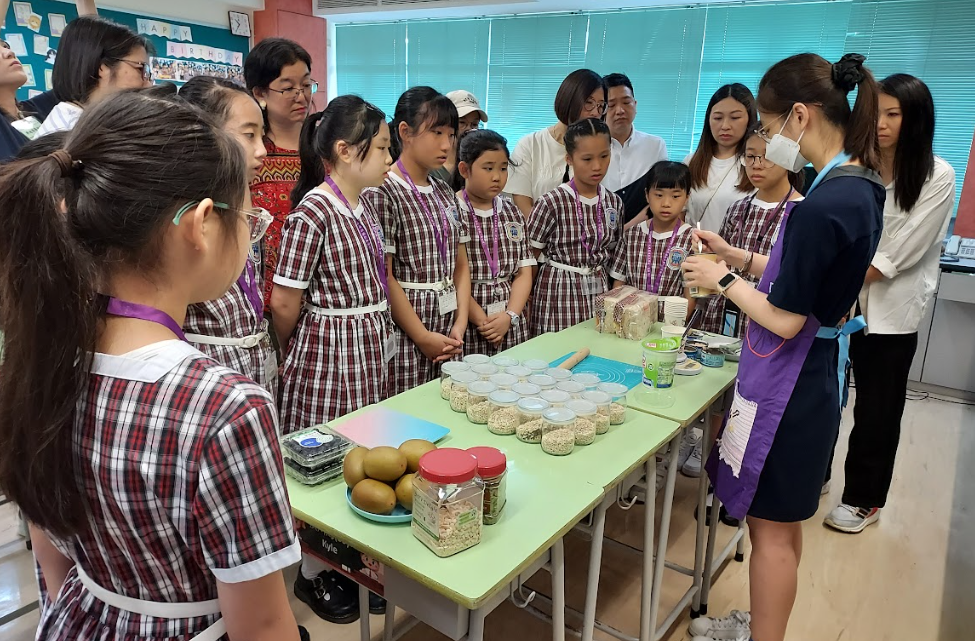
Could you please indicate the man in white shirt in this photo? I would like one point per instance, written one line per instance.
(633, 152)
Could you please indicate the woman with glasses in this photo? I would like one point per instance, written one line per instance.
(538, 164)
(232, 329)
(716, 171)
(96, 58)
(278, 73)
(154, 485)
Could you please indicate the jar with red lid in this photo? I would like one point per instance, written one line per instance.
(448, 501)
(492, 467)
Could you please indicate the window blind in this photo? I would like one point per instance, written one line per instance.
(371, 62)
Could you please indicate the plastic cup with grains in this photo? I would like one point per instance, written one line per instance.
(505, 361)
(555, 397)
(450, 367)
(459, 395)
(477, 359)
(536, 365)
(558, 431)
(504, 418)
(585, 423)
(617, 410)
(504, 380)
(519, 371)
(544, 381)
(530, 428)
(478, 408)
(574, 388)
(603, 403)
(591, 381)
(485, 371)
(559, 374)
(524, 390)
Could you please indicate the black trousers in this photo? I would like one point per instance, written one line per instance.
(881, 364)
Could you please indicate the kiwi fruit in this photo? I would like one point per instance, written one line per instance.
(374, 497)
(384, 463)
(352, 468)
(413, 449)
(404, 491)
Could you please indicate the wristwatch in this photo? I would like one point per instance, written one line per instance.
(727, 281)
(515, 318)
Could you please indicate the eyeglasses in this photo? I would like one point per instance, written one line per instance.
(293, 92)
(598, 107)
(258, 219)
(141, 66)
(751, 161)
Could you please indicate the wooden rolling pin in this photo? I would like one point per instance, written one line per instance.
(575, 359)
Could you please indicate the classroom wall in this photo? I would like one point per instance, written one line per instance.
(211, 42)
(293, 19)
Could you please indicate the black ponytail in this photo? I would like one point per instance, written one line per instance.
(349, 119)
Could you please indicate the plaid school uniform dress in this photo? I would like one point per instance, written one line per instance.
(333, 364)
(178, 461)
(749, 225)
(558, 299)
(630, 264)
(233, 316)
(416, 259)
(513, 254)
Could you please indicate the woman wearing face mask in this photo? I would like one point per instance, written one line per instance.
(278, 73)
(538, 163)
(901, 280)
(771, 458)
(96, 58)
(715, 165)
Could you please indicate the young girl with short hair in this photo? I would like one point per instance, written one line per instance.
(500, 260)
(426, 253)
(578, 225)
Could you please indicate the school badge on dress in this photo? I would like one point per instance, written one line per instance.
(676, 258)
(454, 215)
(612, 216)
(515, 231)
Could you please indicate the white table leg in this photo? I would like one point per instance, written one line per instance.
(651, 602)
(475, 630)
(389, 622)
(558, 590)
(595, 562)
(364, 633)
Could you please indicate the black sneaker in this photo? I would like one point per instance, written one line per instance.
(377, 604)
(328, 598)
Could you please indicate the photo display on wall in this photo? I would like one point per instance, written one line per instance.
(183, 50)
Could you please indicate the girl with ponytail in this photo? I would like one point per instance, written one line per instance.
(786, 411)
(145, 469)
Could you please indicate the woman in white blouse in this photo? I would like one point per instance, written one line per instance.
(715, 165)
(899, 284)
(538, 163)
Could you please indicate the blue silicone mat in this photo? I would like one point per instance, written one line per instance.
(607, 370)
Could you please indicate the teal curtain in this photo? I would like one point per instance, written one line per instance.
(371, 62)
(449, 55)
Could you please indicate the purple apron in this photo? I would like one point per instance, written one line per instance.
(736, 462)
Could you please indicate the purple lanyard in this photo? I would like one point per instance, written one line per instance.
(653, 286)
(373, 240)
(582, 223)
(125, 309)
(248, 283)
(439, 233)
(493, 258)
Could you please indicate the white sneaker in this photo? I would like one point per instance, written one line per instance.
(733, 627)
(690, 442)
(826, 487)
(851, 519)
(692, 466)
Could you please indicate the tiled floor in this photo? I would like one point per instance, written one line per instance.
(909, 578)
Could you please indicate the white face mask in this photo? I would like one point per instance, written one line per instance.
(784, 152)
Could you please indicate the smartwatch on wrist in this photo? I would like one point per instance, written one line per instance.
(727, 281)
(515, 318)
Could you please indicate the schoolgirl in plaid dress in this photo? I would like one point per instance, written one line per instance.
(154, 473)
(425, 241)
(579, 234)
(752, 223)
(652, 252)
(499, 256)
(232, 329)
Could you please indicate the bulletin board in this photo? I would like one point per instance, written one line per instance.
(183, 49)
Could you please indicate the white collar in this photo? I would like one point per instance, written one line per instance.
(147, 364)
(337, 202)
(483, 213)
(585, 201)
(680, 229)
(424, 189)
